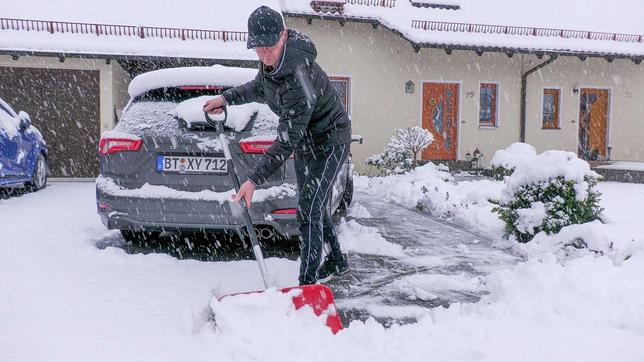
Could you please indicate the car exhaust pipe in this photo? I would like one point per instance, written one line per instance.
(267, 233)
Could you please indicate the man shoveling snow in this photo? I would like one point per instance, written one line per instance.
(313, 124)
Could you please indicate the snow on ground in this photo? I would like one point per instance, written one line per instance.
(64, 299)
(357, 211)
(430, 188)
(354, 236)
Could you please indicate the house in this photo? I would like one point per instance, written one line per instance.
(482, 75)
(478, 75)
(69, 65)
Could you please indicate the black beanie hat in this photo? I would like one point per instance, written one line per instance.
(264, 27)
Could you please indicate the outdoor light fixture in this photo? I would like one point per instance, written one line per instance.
(575, 90)
(410, 87)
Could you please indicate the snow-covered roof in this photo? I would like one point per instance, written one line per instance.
(571, 26)
(211, 29)
(217, 29)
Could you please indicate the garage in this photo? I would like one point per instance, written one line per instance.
(64, 106)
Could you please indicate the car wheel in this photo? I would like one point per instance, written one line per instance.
(139, 236)
(347, 197)
(39, 178)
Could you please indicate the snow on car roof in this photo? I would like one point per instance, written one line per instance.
(216, 75)
(7, 107)
(8, 124)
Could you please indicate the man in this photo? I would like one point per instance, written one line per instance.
(313, 124)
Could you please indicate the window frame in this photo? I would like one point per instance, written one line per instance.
(558, 92)
(495, 105)
(347, 80)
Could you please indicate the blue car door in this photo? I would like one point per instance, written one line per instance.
(24, 162)
(8, 149)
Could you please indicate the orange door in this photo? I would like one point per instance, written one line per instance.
(440, 117)
(593, 123)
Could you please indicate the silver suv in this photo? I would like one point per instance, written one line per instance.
(162, 168)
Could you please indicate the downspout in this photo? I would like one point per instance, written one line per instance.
(524, 86)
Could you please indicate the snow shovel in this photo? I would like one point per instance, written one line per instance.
(317, 296)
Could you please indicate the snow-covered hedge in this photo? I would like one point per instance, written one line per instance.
(505, 161)
(545, 192)
(400, 154)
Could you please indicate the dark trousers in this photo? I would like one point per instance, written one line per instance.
(316, 174)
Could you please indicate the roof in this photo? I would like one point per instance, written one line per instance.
(571, 26)
(191, 28)
(206, 29)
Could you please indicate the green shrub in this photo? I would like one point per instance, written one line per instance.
(558, 198)
(391, 161)
(500, 172)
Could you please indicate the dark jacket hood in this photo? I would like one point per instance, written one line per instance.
(298, 50)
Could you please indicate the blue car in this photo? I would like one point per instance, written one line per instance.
(23, 152)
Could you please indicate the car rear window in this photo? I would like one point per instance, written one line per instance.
(153, 113)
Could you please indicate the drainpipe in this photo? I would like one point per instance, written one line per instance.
(524, 86)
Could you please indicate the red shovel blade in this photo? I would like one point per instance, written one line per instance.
(319, 297)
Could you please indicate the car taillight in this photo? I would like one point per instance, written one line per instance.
(108, 145)
(255, 147)
(284, 212)
(201, 87)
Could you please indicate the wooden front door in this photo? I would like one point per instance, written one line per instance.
(593, 123)
(440, 117)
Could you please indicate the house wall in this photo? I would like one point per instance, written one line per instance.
(120, 81)
(380, 62)
(623, 78)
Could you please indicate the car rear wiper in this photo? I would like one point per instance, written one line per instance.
(200, 126)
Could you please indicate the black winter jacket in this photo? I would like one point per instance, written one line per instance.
(312, 116)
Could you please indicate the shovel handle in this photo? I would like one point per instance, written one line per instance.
(257, 250)
(217, 123)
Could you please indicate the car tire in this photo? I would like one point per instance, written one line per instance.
(347, 198)
(39, 178)
(139, 236)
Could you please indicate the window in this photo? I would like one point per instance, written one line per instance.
(550, 109)
(487, 113)
(342, 85)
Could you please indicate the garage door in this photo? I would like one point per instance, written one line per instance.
(64, 105)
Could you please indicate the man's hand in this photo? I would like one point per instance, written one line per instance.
(213, 106)
(246, 191)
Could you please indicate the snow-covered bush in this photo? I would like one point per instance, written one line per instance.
(505, 161)
(547, 192)
(401, 153)
(390, 162)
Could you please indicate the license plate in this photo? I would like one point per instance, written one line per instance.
(184, 164)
